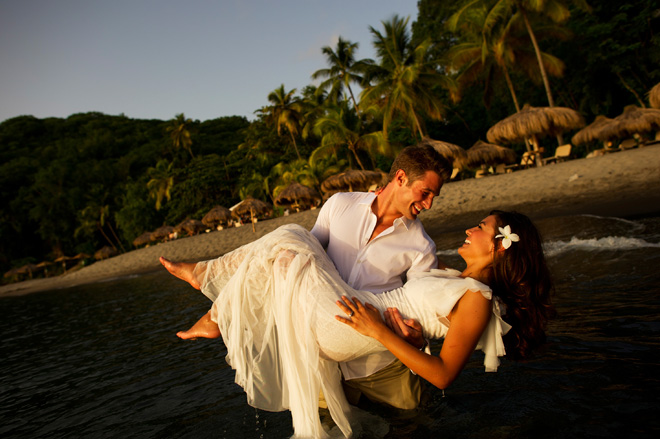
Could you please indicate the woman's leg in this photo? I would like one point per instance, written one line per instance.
(204, 328)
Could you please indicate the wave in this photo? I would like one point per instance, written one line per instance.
(554, 248)
(608, 243)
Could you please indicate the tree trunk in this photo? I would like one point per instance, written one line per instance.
(295, 146)
(631, 90)
(354, 151)
(357, 109)
(511, 89)
(537, 50)
(544, 75)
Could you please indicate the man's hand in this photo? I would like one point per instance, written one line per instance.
(408, 329)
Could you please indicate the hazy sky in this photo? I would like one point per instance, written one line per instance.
(156, 58)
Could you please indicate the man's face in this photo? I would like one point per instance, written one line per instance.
(414, 197)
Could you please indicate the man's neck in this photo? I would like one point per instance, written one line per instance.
(385, 211)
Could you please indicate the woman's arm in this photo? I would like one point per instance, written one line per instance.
(468, 321)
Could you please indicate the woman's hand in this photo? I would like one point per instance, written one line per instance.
(365, 319)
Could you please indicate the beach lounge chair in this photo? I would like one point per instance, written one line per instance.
(527, 160)
(500, 169)
(562, 153)
(628, 144)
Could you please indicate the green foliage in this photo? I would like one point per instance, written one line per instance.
(199, 186)
(75, 184)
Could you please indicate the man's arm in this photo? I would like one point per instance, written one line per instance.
(321, 229)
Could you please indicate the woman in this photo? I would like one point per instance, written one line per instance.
(274, 301)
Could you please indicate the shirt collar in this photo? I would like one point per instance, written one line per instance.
(369, 200)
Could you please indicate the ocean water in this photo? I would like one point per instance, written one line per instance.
(102, 360)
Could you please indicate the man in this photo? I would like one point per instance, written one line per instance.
(376, 241)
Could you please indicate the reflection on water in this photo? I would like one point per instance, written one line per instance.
(102, 360)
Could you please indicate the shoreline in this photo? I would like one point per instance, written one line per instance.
(622, 184)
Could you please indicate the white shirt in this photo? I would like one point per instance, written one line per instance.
(343, 227)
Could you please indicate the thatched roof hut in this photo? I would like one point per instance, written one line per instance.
(297, 195)
(593, 131)
(253, 208)
(216, 216)
(654, 96)
(190, 226)
(482, 153)
(105, 253)
(352, 180)
(143, 239)
(532, 122)
(633, 120)
(162, 233)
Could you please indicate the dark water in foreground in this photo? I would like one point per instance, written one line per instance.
(102, 361)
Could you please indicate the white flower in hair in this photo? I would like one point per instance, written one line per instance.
(507, 236)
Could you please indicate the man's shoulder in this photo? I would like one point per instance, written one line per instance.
(350, 196)
(349, 199)
(416, 228)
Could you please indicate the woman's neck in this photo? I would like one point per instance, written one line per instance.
(482, 274)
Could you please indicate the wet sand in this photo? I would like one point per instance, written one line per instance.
(622, 184)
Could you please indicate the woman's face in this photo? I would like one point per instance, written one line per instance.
(479, 242)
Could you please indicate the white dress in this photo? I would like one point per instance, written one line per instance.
(275, 302)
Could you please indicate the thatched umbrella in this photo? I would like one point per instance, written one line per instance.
(66, 261)
(190, 226)
(482, 153)
(143, 239)
(654, 96)
(12, 274)
(45, 265)
(296, 195)
(254, 208)
(216, 216)
(29, 269)
(352, 180)
(633, 120)
(593, 131)
(532, 122)
(162, 233)
(456, 155)
(105, 253)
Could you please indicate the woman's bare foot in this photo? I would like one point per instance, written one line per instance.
(204, 328)
(182, 270)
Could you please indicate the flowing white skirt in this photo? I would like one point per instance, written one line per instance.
(274, 302)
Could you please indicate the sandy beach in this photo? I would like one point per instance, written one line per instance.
(622, 184)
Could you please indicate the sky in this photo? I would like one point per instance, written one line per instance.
(153, 59)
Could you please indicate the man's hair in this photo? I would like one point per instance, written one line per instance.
(416, 160)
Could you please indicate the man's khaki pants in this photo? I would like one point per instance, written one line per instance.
(394, 385)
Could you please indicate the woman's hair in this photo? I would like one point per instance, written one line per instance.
(521, 279)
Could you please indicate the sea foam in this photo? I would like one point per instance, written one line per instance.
(608, 243)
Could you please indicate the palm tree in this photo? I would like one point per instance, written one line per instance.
(95, 216)
(495, 54)
(504, 10)
(405, 82)
(313, 106)
(343, 70)
(179, 130)
(161, 182)
(340, 126)
(285, 112)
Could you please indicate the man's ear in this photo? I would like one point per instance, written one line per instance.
(400, 177)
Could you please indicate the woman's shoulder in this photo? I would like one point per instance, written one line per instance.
(449, 280)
